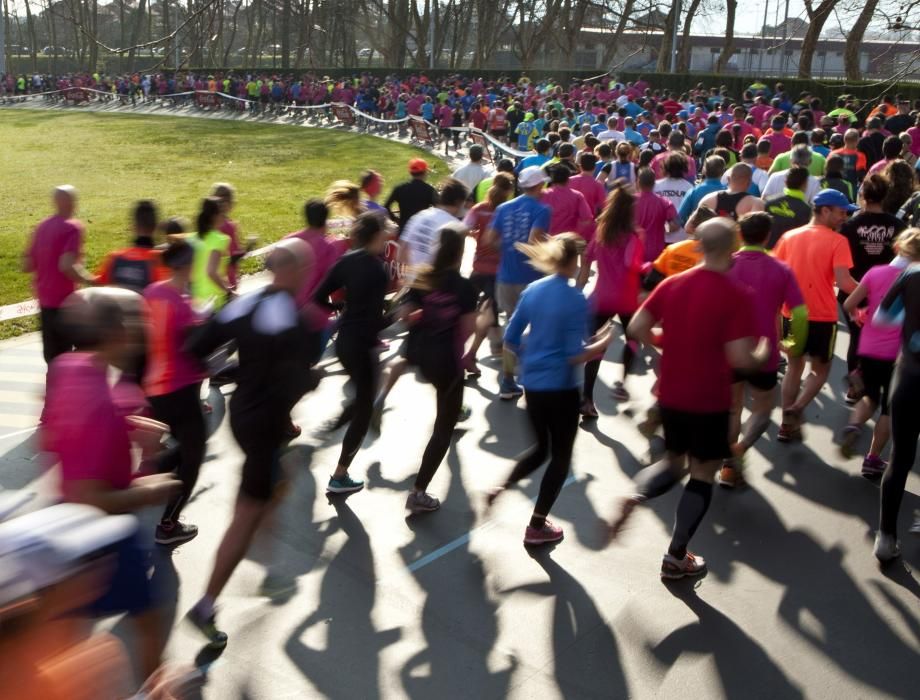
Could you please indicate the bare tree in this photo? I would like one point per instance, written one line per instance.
(817, 17)
(728, 49)
(855, 39)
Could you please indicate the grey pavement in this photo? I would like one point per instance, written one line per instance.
(451, 605)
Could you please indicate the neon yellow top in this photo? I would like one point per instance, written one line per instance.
(204, 289)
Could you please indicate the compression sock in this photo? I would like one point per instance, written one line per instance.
(655, 480)
(690, 511)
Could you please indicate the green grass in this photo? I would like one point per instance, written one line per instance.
(114, 160)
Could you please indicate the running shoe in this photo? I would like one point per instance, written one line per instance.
(730, 476)
(178, 533)
(873, 467)
(470, 366)
(652, 422)
(548, 534)
(673, 568)
(619, 392)
(509, 389)
(208, 627)
(791, 428)
(886, 547)
(344, 485)
(849, 436)
(588, 410)
(465, 413)
(421, 502)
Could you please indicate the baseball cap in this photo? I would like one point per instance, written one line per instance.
(531, 177)
(833, 198)
(418, 165)
(46, 546)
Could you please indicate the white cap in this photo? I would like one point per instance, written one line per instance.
(531, 177)
(41, 548)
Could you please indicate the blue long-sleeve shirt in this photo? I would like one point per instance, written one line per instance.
(557, 314)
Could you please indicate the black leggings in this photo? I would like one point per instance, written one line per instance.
(593, 367)
(554, 417)
(54, 339)
(181, 411)
(905, 429)
(359, 358)
(449, 386)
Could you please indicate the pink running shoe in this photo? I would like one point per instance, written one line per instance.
(548, 534)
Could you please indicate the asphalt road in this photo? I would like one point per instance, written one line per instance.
(451, 605)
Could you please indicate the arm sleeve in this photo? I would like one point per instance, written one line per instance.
(331, 284)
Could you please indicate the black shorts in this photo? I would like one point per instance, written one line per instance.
(485, 287)
(822, 337)
(703, 436)
(499, 133)
(764, 381)
(876, 377)
(261, 440)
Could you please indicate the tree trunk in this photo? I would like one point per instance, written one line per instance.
(285, 34)
(728, 49)
(136, 33)
(33, 39)
(683, 56)
(810, 43)
(664, 52)
(228, 47)
(854, 41)
(613, 43)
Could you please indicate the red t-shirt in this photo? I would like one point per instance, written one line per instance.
(699, 311)
(486, 258)
(169, 367)
(53, 237)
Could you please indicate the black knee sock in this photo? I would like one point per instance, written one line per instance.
(655, 480)
(690, 511)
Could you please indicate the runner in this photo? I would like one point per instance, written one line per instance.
(789, 209)
(524, 219)
(655, 215)
(99, 472)
(617, 249)
(736, 201)
(819, 258)
(774, 286)
(674, 187)
(570, 210)
(901, 303)
(269, 385)
(557, 316)
(361, 274)
(877, 352)
(413, 196)
(708, 330)
(54, 259)
(226, 193)
(870, 233)
(172, 383)
(440, 307)
(212, 256)
(485, 268)
(138, 266)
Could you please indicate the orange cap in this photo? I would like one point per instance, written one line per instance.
(417, 165)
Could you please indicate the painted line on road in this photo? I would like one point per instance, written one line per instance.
(463, 539)
(19, 432)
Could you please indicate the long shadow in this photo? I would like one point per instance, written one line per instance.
(20, 466)
(459, 620)
(745, 669)
(586, 657)
(349, 665)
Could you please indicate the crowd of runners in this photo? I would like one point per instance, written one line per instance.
(723, 237)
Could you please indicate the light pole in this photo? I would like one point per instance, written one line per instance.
(176, 37)
(434, 9)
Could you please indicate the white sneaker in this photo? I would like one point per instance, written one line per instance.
(690, 565)
(886, 547)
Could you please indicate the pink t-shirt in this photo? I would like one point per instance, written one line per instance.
(486, 258)
(617, 288)
(169, 367)
(54, 237)
(233, 231)
(594, 192)
(325, 254)
(652, 213)
(773, 285)
(878, 166)
(82, 424)
(570, 212)
(881, 342)
(914, 133)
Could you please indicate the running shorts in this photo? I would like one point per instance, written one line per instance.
(822, 337)
(703, 436)
(507, 296)
(261, 442)
(763, 381)
(485, 287)
(876, 376)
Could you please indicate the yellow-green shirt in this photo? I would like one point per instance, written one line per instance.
(204, 289)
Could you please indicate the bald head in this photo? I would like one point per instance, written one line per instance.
(740, 177)
(108, 320)
(717, 237)
(65, 200)
(289, 262)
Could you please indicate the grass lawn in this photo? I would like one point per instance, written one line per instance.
(114, 160)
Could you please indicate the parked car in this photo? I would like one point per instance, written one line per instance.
(56, 51)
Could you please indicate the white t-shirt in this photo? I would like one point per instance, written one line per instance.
(674, 190)
(472, 174)
(777, 183)
(419, 234)
(758, 177)
(611, 135)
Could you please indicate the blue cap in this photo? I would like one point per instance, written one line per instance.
(833, 198)
(682, 114)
